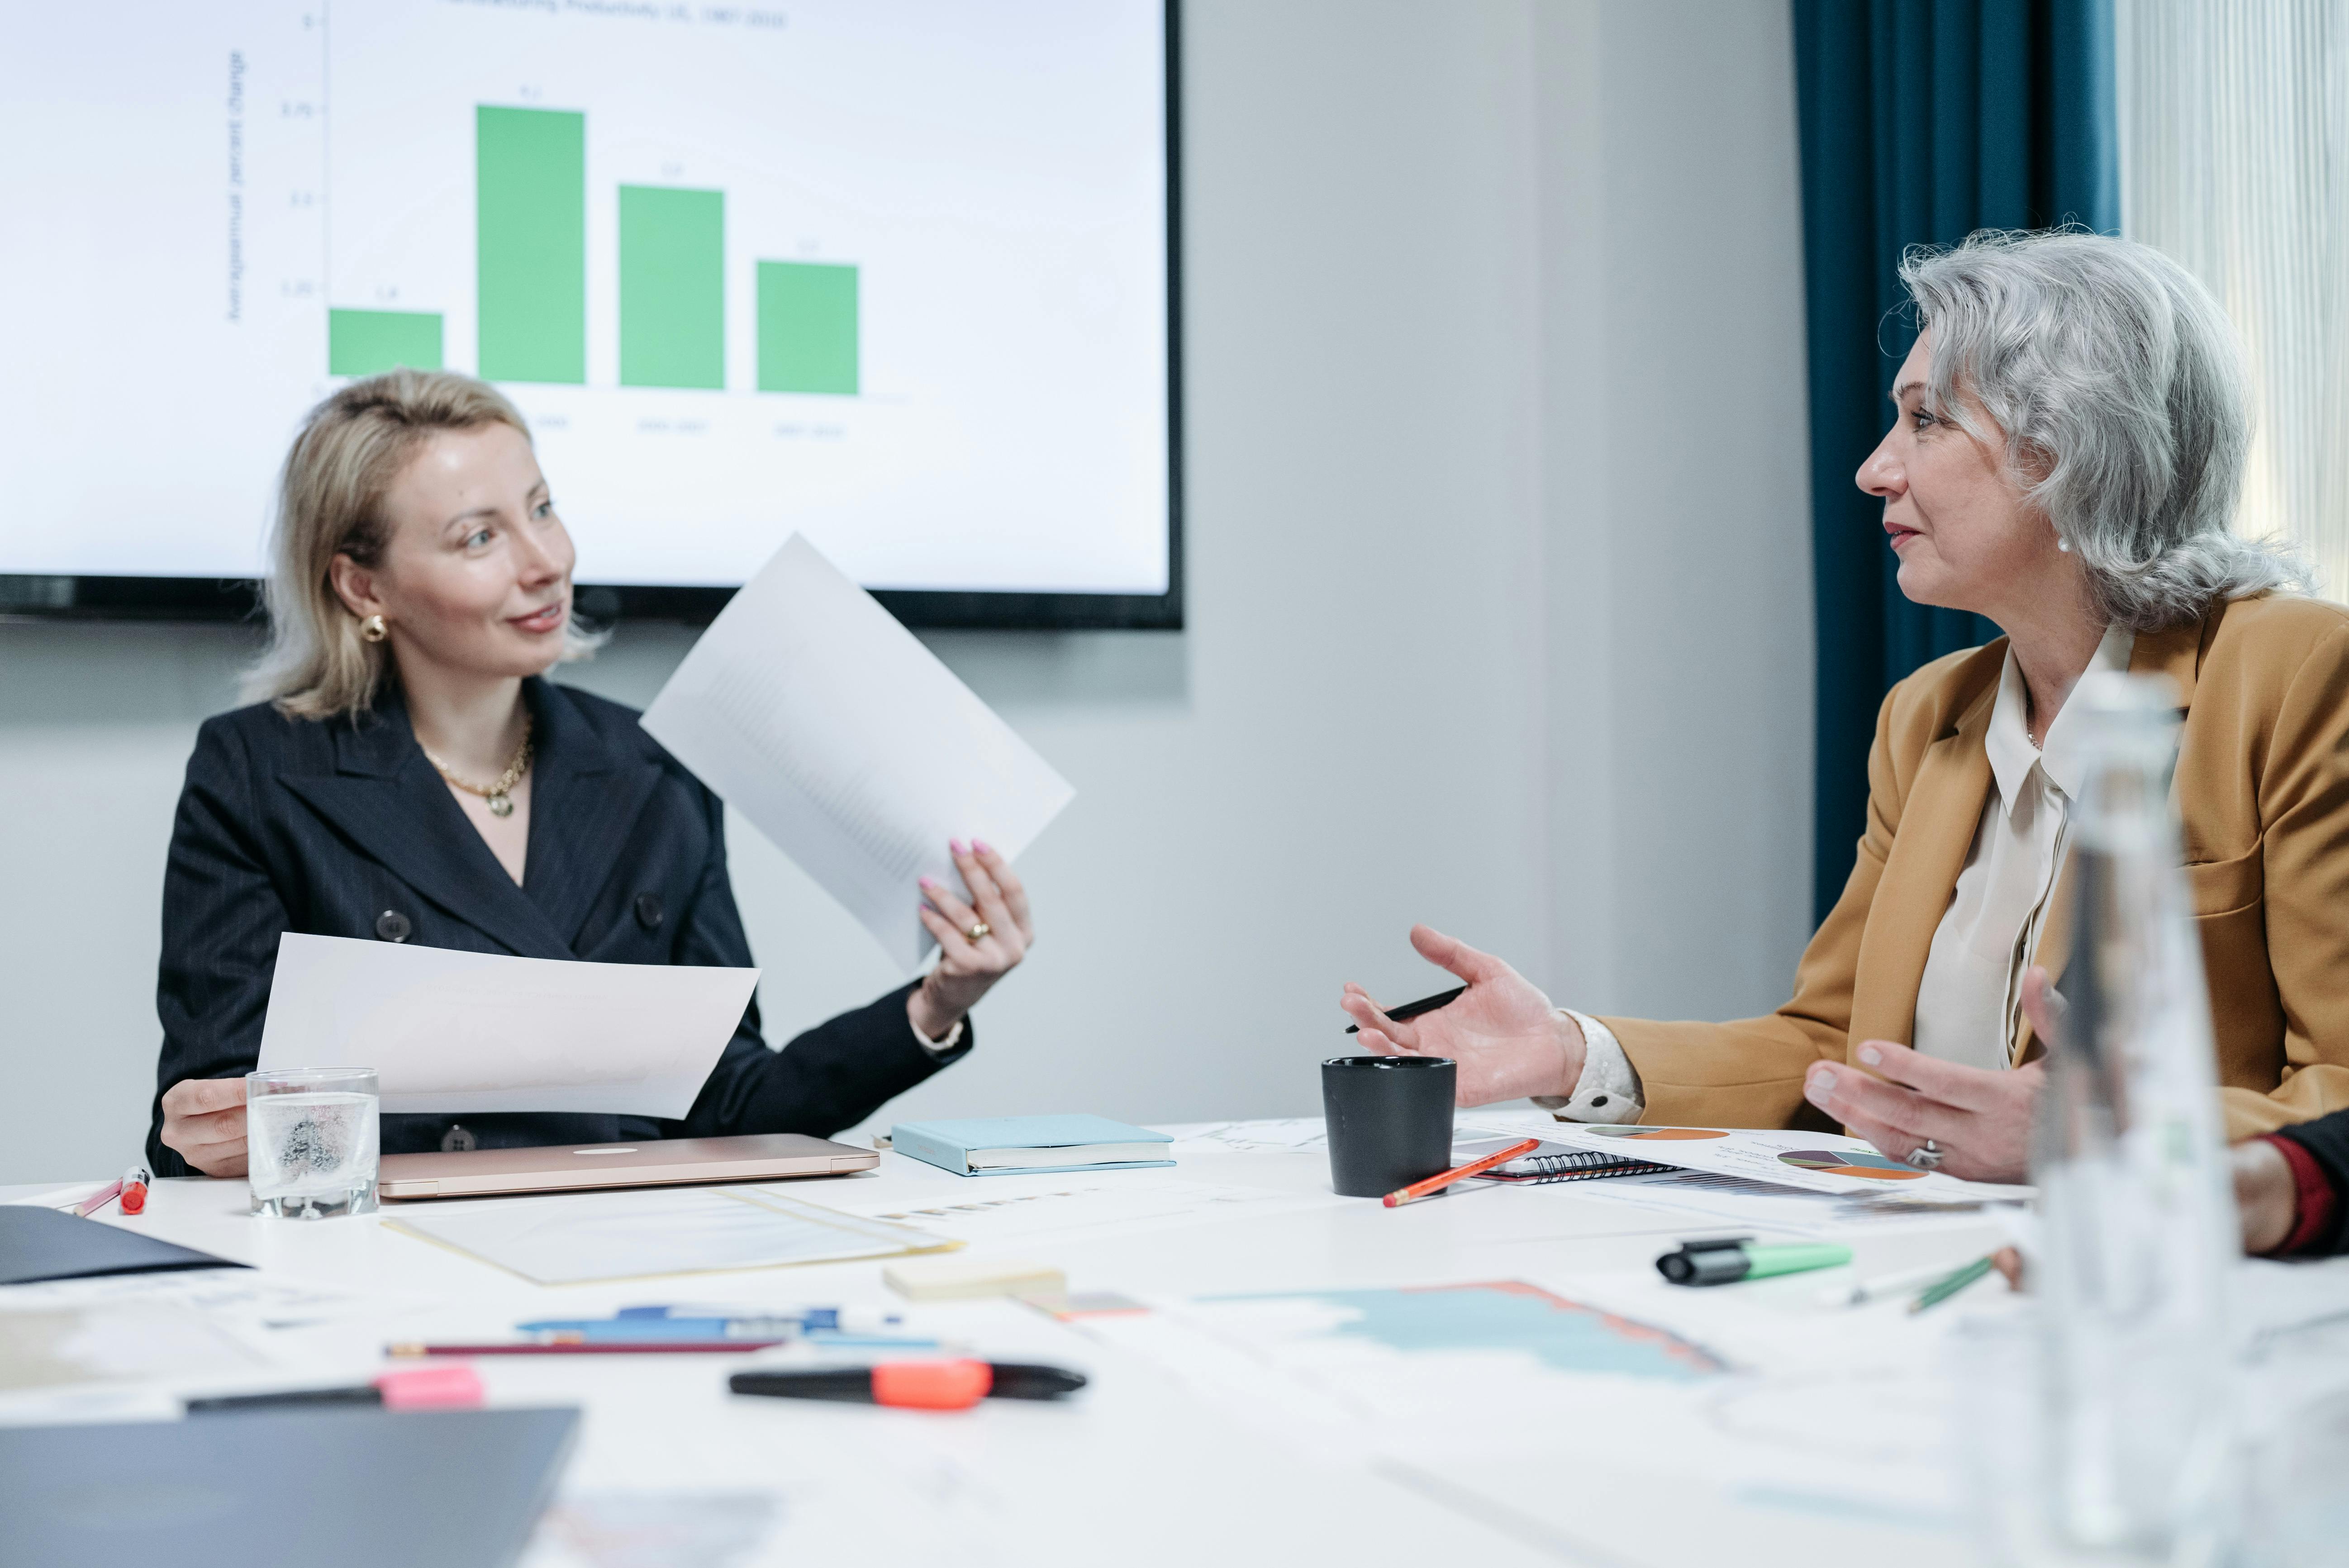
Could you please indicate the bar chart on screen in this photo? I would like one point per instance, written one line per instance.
(530, 270)
(894, 274)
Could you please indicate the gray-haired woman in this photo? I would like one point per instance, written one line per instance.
(2066, 459)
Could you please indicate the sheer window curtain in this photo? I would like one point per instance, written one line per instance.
(2234, 160)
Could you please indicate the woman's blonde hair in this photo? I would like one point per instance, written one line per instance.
(329, 503)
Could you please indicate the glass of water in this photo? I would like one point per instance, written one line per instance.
(311, 1142)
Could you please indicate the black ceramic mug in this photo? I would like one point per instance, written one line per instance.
(1389, 1121)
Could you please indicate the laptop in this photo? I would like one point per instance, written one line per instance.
(355, 1488)
(480, 1172)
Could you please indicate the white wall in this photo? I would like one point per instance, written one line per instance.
(1675, 448)
(1498, 618)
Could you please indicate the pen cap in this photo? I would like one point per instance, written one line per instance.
(1705, 1266)
(455, 1386)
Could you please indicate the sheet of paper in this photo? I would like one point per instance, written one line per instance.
(42, 1195)
(1284, 1135)
(659, 1230)
(634, 1529)
(1608, 1375)
(51, 1347)
(1734, 1200)
(248, 1300)
(849, 745)
(1072, 1207)
(466, 1033)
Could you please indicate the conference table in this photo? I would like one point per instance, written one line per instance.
(1232, 1415)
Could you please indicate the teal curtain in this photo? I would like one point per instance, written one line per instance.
(1921, 120)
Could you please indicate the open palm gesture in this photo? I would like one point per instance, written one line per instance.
(1502, 1031)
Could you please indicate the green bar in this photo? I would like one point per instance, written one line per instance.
(672, 287)
(368, 342)
(807, 327)
(531, 239)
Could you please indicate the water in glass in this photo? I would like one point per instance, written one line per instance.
(312, 1155)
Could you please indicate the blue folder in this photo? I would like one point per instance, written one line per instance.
(948, 1144)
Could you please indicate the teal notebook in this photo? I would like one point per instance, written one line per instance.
(1008, 1145)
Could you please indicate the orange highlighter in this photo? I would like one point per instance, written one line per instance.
(1442, 1178)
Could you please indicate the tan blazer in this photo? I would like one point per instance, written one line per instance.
(2262, 794)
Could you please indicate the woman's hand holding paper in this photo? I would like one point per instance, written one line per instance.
(968, 966)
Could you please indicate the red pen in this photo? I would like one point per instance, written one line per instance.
(576, 1345)
(134, 1190)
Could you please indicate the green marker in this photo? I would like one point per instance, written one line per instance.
(1733, 1258)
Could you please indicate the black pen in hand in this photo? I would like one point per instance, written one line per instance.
(1414, 1009)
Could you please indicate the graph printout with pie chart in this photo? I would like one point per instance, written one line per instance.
(1872, 1167)
(1659, 1134)
(1445, 1347)
(1784, 1157)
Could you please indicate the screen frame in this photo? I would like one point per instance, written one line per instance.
(206, 599)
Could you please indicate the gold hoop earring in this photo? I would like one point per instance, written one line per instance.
(373, 629)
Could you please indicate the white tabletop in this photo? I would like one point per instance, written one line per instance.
(1147, 1466)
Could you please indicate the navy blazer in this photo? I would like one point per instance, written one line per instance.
(342, 828)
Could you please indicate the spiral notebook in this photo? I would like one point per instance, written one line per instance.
(1555, 1163)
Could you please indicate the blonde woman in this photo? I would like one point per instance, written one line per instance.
(413, 777)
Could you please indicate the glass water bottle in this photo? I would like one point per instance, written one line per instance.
(2141, 1233)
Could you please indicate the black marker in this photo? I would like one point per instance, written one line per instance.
(954, 1385)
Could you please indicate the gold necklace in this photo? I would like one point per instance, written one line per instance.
(500, 794)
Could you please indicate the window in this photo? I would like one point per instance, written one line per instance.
(2234, 160)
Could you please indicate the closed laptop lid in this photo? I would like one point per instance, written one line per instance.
(344, 1486)
(563, 1167)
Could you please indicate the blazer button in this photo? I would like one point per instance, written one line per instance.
(649, 912)
(392, 925)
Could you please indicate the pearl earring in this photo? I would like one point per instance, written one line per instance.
(2063, 544)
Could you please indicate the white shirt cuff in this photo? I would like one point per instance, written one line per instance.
(937, 1047)
(1609, 1088)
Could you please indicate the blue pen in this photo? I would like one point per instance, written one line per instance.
(840, 1319)
(650, 1330)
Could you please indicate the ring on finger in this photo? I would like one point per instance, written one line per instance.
(1926, 1156)
(978, 928)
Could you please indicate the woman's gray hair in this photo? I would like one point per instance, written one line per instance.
(2118, 387)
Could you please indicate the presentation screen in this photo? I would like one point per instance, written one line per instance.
(891, 273)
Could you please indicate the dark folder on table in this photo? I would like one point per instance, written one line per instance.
(354, 1488)
(37, 1243)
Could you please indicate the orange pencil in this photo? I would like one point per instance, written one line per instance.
(1437, 1182)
